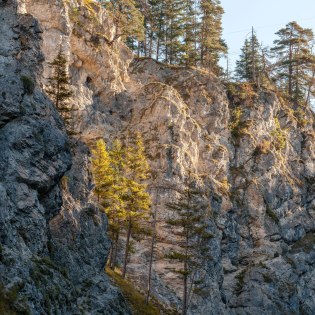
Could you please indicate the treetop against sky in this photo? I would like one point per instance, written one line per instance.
(267, 17)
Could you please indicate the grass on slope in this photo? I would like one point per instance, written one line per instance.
(135, 299)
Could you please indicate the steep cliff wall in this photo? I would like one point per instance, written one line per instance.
(259, 167)
(53, 245)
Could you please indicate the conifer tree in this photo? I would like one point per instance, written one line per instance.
(190, 215)
(294, 61)
(101, 170)
(211, 43)
(59, 87)
(127, 19)
(115, 204)
(137, 200)
(191, 33)
(156, 189)
(160, 9)
(174, 13)
(250, 66)
(108, 171)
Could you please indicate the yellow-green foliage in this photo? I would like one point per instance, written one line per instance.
(279, 136)
(241, 93)
(101, 169)
(224, 186)
(127, 19)
(300, 116)
(137, 170)
(237, 126)
(263, 148)
(119, 176)
(133, 297)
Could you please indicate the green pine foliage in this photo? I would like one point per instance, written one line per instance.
(250, 67)
(182, 32)
(295, 63)
(137, 199)
(190, 215)
(127, 19)
(59, 88)
(212, 45)
(119, 174)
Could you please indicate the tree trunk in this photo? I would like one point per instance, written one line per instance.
(150, 44)
(185, 300)
(184, 311)
(113, 264)
(111, 256)
(127, 250)
(152, 248)
(290, 69)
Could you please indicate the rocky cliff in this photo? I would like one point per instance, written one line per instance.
(254, 153)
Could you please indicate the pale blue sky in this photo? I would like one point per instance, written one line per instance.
(267, 17)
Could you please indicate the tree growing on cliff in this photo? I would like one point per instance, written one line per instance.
(101, 170)
(115, 204)
(107, 170)
(59, 88)
(293, 69)
(211, 43)
(127, 19)
(191, 212)
(137, 200)
(250, 66)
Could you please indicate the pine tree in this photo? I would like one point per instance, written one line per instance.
(156, 188)
(115, 204)
(190, 34)
(108, 171)
(190, 215)
(211, 43)
(137, 200)
(101, 170)
(294, 61)
(174, 12)
(127, 19)
(250, 66)
(59, 88)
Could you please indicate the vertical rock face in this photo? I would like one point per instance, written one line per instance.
(53, 245)
(259, 168)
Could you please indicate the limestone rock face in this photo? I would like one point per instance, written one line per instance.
(53, 246)
(260, 171)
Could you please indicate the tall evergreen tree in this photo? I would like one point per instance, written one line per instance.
(101, 169)
(137, 200)
(211, 43)
(174, 32)
(127, 19)
(190, 33)
(115, 202)
(59, 88)
(250, 66)
(190, 214)
(294, 61)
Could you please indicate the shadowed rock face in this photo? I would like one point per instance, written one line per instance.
(53, 237)
(53, 250)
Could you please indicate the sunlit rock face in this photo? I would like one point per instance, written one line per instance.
(54, 244)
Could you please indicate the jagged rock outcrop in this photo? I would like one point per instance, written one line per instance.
(259, 166)
(53, 246)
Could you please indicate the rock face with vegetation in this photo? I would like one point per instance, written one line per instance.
(252, 151)
(53, 246)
